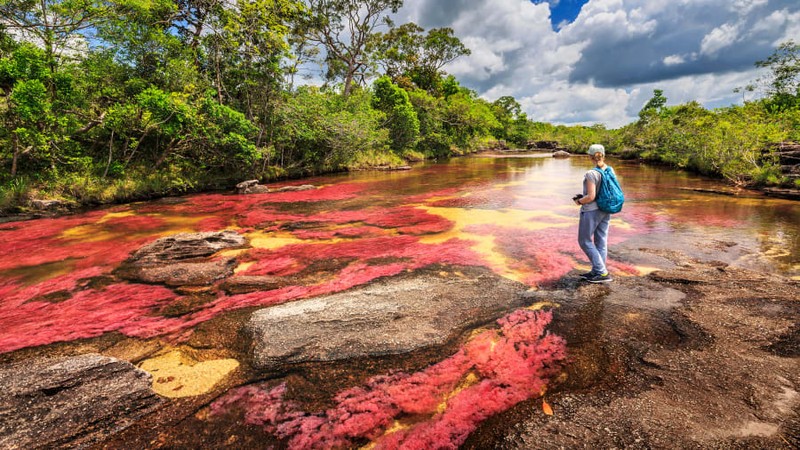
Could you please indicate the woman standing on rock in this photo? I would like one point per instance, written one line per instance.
(593, 226)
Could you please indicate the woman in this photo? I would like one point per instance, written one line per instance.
(593, 226)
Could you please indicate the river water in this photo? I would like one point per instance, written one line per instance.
(511, 214)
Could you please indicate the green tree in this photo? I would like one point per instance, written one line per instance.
(343, 28)
(783, 83)
(401, 118)
(654, 106)
(318, 130)
(406, 53)
(59, 27)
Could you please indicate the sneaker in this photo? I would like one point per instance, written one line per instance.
(586, 275)
(600, 278)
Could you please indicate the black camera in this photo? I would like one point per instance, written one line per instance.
(577, 197)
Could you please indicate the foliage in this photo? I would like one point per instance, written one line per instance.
(738, 142)
(783, 83)
(321, 130)
(401, 119)
(575, 139)
(343, 28)
(413, 59)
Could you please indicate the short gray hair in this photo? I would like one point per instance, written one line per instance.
(596, 148)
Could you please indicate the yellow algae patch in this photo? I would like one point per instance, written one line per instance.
(36, 274)
(176, 374)
(243, 266)
(470, 380)
(179, 224)
(632, 317)
(621, 224)
(396, 426)
(539, 305)
(485, 244)
(116, 215)
(233, 252)
(272, 241)
(646, 270)
(517, 218)
(97, 231)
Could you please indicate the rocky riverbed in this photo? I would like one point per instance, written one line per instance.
(696, 354)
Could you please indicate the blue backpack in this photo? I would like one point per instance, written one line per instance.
(609, 195)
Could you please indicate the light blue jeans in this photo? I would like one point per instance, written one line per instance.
(594, 224)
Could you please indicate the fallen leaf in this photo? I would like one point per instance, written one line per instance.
(546, 408)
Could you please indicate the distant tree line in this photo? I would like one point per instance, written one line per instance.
(738, 142)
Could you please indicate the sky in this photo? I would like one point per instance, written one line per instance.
(598, 61)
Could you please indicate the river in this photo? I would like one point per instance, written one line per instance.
(509, 213)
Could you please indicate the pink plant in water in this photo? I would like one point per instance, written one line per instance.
(442, 404)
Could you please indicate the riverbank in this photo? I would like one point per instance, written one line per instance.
(700, 355)
(53, 206)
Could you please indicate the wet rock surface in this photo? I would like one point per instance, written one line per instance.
(690, 357)
(70, 402)
(183, 259)
(393, 316)
(251, 187)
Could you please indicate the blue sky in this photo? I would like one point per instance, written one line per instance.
(598, 61)
(562, 12)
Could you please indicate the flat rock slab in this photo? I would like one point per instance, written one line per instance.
(183, 259)
(70, 402)
(182, 274)
(186, 246)
(393, 316)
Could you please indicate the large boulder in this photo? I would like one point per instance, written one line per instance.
(70, 402)
(183, 259)
(251, 187)
(561, 154)
(392, 316)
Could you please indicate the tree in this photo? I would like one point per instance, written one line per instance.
(402, 120)
(406, 53)
(59, 27)
(343, 28)
(784, 79)
(655, 104)
(515, 126)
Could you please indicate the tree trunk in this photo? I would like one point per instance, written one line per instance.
(16, 156)
(110, 150)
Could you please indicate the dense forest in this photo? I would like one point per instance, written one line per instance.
(104, 101)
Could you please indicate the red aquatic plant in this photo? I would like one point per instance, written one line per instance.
(442, 404)
(86, 313)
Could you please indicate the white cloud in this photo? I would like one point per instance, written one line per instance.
(792, 29)
(483, 61)
(745, 7)
(604, 66)
(719, 38)
(672, 60)
(775, 20)
(584, 104)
